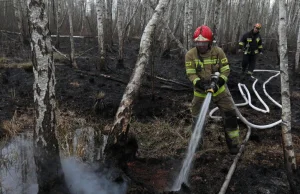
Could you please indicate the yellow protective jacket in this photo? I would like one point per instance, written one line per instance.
(202, 66)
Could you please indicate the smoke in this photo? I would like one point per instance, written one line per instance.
(18, 172)
(17, 168)
(82, 179)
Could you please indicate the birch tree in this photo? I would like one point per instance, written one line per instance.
(188, 24)
(297, 52)
(83, 29)
(58, 16)
(122, 29)
(288, 149)
(70, 13)
(100, 30)
(216, 19)
(120, 21)
(207, 7)
(120, 128)
(50, 176)
(109, 23)
(18, 16)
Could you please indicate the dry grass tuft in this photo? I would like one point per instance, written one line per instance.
(67, 123)
(100, 95)
(160, 138)
(11, 127)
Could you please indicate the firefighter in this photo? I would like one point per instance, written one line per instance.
(250, 44)
(201, 63)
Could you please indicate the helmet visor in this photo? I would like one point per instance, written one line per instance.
(201, 44)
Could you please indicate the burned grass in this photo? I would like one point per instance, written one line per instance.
(160, 122)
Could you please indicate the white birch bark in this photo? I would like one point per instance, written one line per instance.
(120, 127)
(297, 52)
(122, 28)
(163, 37)
(170, 33)
(70, 13)
(222, 23)
(288, 149)
(83, 30)
(100, 29)
(206, 16)
(46, 149)
(185, 25)
(190, 24)
(216, 19)
(120, 22)
(180, 9)
(234, 39)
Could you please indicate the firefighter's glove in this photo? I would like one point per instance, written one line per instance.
(214, 78)
(200, 85)
(213, 88)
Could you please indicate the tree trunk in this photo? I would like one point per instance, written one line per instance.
(54, 14)
(58, 17)
(46, 150)
(297, 52)
(120, 23)
(185, 23)
(216, 19)
(109, 23)
(288, 149)
(206, 16)
(70, 13)
(120, 127)
(190, 24)
(100, 29)
(234, 39)
(83, 30)
(19, 18)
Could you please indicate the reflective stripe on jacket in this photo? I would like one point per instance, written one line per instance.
(251, 43)
(202, 66)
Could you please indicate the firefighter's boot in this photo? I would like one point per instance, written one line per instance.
(232, 140)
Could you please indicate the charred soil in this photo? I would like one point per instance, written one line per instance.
(161, 118)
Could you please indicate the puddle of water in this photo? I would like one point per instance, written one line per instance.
(18, 171)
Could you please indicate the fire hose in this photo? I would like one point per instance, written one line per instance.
(196, 136)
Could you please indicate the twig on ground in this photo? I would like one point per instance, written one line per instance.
(233, 166)
(168, 80)
(60, 52)
(101, 75)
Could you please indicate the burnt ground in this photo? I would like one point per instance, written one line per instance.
(161, 117)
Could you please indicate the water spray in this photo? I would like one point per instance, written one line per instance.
(182, 178)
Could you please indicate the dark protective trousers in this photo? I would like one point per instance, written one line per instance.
(249, 62)
(227, 108)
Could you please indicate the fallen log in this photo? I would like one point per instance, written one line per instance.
(27, 65)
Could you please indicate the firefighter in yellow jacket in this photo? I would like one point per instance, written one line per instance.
(201, 63)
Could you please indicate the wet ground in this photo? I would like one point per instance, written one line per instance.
(161, 118)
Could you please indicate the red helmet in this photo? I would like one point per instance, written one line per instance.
(203, 34)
